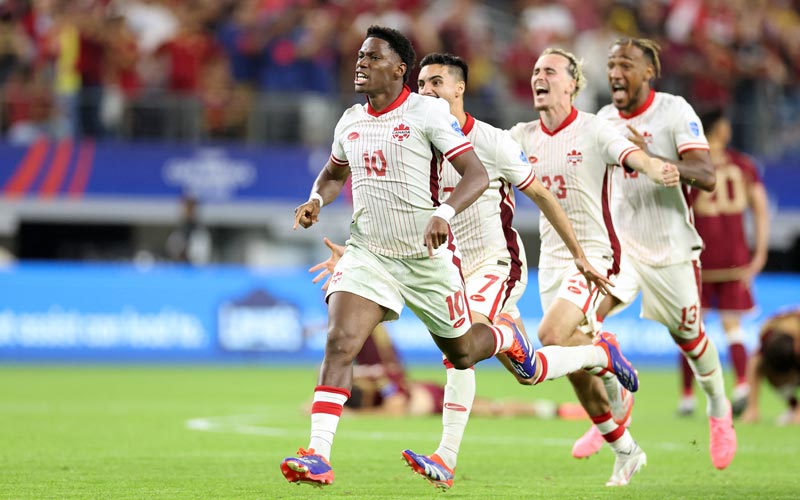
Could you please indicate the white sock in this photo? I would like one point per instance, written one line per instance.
(459, 393)
(703, 358)
(556, 361)
(615, 435)
(503, 338)
(325, 412)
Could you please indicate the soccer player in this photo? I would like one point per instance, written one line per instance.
(660, 246)
(728, 266)
(778, 361)
(574, 154)
(401, 249)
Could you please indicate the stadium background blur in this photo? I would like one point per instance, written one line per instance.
(116, 113)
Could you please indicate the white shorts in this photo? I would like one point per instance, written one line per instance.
(495, 288)
(670, 294)
(432, 288)
(568, 283)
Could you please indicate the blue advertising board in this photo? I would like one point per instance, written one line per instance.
(172, 313)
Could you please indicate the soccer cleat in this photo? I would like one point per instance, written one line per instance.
(308, 468)
(431, 468)
(686, 406)
(617, 364)
(722, 440)
(521, 351)
(592, 441)
(626, 465)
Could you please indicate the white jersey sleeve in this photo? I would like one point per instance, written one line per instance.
(686, 127)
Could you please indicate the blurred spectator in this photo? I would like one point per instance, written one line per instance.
(28, 105)
(225, 103)
(190, 242)
(16, 48)
(120, 79)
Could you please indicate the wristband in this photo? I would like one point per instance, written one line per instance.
(316, 196)
(444, 211)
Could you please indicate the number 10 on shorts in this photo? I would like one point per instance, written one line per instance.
(457, 305)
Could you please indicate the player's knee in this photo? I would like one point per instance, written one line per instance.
(549, 335)
(341, 345)
(461, 362)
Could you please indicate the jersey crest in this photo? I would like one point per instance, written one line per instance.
(574, 158)
(401, 133)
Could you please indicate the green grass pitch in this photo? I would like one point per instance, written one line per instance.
(104, 432)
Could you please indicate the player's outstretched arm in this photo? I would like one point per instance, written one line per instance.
(551, 209)
(695, 166)
(656, 169)
(474, 181)
(327, 186)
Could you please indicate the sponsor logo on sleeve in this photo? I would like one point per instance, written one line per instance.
(694, 128)
(457, 128)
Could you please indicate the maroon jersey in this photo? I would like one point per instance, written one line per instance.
(719, 215)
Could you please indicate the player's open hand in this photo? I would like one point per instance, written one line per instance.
(593, 276)
(637, 139)
(307, 214)
(327, 266)
(436, 233)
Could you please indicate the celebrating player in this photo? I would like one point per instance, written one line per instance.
(660, 245)
(573, 153)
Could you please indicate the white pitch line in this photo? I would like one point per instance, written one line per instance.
(248, 424)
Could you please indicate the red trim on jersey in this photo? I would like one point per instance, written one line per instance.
(394, 105)
(337, 161)
(335, 390)
(691, 146)
(468, 125)
(522, 186)
(650, 98)
(327, 407)
(458, 151)
(512, 239)
(624, 156)
(612, 234)
(570, 118)
(434, 176)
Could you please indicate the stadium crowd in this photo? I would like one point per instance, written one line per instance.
(235, 69)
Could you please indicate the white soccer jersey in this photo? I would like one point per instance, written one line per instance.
(395, 162)
(484, 228)
(574, 162)
(655, 224)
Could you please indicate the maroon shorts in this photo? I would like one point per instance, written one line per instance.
(727, 296)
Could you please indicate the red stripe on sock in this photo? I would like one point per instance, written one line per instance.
(543, 364)
(599, 419)
(447, 364)
(615, 434)
(693, 344)
(335, 390)
(326, 407)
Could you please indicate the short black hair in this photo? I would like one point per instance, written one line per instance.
(399, 43)
(710, 117)
(449, 60)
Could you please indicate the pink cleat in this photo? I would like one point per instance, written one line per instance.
(722, 439)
